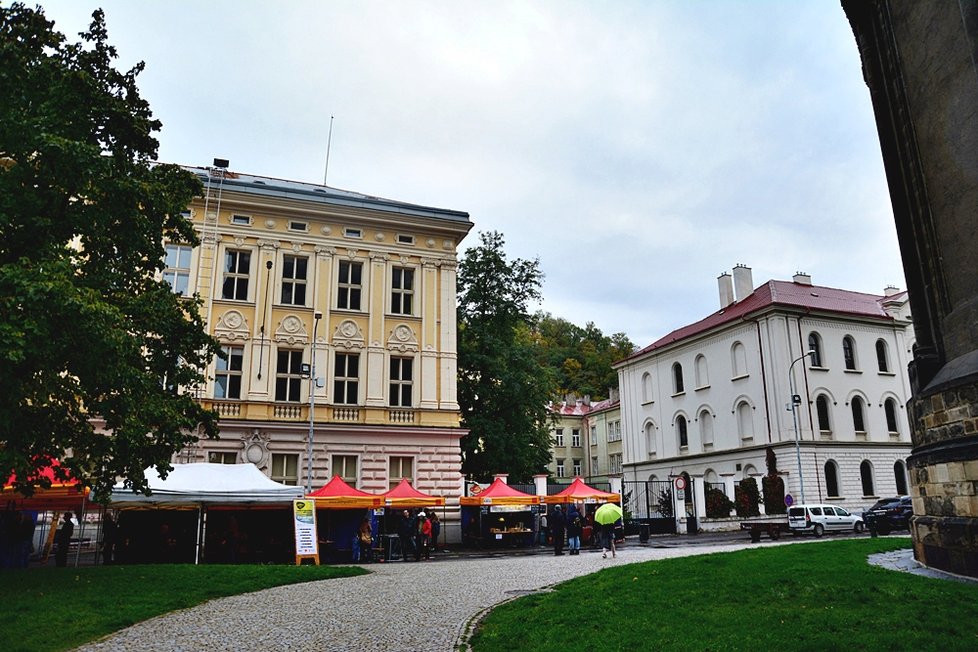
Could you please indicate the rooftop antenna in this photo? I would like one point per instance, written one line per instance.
(329, 141)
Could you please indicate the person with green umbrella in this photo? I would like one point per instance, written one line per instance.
(606, 516)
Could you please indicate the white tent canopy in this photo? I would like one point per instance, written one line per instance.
(192, 485)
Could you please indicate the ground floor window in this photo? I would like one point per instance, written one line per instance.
(222, 457)
(285, 468)
(345, 466)
(400, 467)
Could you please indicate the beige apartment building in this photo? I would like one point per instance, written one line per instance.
(337, 313)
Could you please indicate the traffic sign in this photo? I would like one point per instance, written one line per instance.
(788, 500)
(680, 483)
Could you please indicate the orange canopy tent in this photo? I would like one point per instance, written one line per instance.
(405, 495)
(62, 495)
(337, 494)
(500, 493)
(578, 492)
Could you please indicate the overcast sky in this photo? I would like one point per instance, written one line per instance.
(637, 149)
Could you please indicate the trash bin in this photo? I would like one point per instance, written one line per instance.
(643, 532)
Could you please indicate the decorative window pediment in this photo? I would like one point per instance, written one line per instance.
(291, 330)
(403, 339)
(348, 335)
(231, 326)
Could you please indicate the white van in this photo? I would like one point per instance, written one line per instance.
(820, 519)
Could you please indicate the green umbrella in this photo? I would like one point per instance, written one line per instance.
(607, 514)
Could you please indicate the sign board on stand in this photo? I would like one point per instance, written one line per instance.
(306, 536)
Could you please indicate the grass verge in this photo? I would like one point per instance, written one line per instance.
(49, 609)
(817, 596)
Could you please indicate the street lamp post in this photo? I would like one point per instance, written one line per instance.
(313, 383)
(793, 406)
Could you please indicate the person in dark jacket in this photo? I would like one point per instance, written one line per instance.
(557, 524)
(63, 539)
(405, 532)
(575, 523)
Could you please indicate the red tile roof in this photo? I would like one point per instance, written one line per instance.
(787, 294)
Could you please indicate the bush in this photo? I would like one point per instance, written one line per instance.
(773, 495)
(717, 503)
(747, 498)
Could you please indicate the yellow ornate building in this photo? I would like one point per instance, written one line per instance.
(301, 281)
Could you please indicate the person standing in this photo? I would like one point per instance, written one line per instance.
(607, 540)
(63, 540)
(364, 542)
(108, 539)
(575, 524)
(422, 544)
(435, 531)
(405, 532)
(557, 524)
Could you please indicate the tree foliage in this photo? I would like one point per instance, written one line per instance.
(88, 332)
(502, 389)
(580, 357)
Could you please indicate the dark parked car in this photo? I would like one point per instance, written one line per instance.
(889, 514)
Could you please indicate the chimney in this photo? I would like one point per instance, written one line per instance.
(802, 278)
(890, 290)
(725, 281)
(743, 282)
(613, 394)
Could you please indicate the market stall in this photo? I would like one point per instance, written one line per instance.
(500, 515)
(213, 512)
(401, 497)
(340, 509)
(587, 499)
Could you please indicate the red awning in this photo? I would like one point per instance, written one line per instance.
(338, 494)
(578, 492)
(500, 493)
(62, 494)
(405, 495)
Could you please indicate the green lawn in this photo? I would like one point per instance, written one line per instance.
(61, 608)
(813, 596)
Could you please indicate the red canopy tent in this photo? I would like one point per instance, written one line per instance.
(337, 494)
(578, 492)
(405, 495)
(500, 493)
(62, 495)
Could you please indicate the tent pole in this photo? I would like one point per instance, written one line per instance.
(200, 518)
(81, 531)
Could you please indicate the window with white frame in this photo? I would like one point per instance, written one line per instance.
(399, 468)
(849, 352)
(222, 457)
(815, 347)
(577, 468)
(559, 438)
(176, 269)
(858, 415)
(822, 411)
(890, 411)
(678, 385)
(614, 463)
(237, 266)
(882, 359)
(560, 469)
(227, 375)
(575, 437)
(402, 291)
(614, 430)
(350, 285)
(594, 465)
(285, 468)
(682, 432)
(294, 270)
(346, 378)
(594, 435)
(288, 376)
(401, 381)
(345, 466)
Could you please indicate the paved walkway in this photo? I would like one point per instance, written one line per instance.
(399, 606)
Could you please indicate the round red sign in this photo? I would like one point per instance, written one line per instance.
(680, 482)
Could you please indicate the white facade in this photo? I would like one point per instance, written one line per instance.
(725, 381)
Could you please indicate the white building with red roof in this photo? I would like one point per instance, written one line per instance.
(707, 400)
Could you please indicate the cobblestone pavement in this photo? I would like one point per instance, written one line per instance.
(415, 606)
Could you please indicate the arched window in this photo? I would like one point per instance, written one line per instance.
(650, 438)
(832, 479)
(849, 352)
(822, 409)
(858, 420)
(866, 475)
(881, 358)
(646, 387)
(900, 475)
(890, 408)
(711, 477)
(678, 387)
(815, 346)
(681, 430)
(702, 373)
(745, 420)
(738, 360)
(706, 428)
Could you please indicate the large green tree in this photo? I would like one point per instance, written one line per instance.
(502, 389)
(96, 353)
(580, 357)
